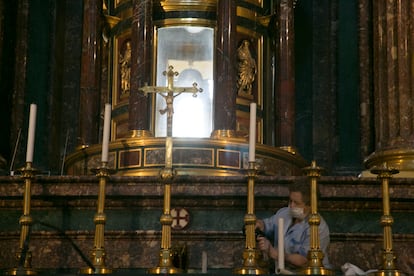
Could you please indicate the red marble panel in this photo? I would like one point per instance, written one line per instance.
(128, 159)
(228, 159)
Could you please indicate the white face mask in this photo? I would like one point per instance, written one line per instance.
(297, 212)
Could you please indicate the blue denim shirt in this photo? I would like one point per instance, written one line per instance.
(296, 236)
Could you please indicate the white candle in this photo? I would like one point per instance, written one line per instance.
(106, 130)
(31, 133)
(204, 262)
(281, 245)
(252, 133)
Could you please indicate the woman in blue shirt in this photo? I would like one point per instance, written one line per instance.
(296, 229)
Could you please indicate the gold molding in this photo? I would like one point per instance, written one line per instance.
(289, 149)
(248, 32)
(140, 133)
(189, 5)
(197, 22)
(264, 20)
(258, 3)
(246, 13)
(223, 134)
(112, 20)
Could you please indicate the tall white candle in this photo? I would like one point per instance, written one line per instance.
(281, 245)
(204, 262)
(106, 130)
(252, 133)
(31, 133)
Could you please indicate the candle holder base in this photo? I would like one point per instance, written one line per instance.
(165, 270)
(317, 271)
(96, 270)
(250, 265)
(250, 271)
(165, 265)
(387, 272)
(21, 271)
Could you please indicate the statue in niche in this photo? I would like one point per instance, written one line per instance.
(246, 70)
(125, 66)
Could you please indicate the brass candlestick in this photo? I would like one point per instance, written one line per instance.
(315, 254)
(388, 266)
(24, 256)
(167, 174)
(98, 252)
(251, 254)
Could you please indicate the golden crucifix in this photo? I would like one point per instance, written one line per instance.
(166, 175)
(169, 93)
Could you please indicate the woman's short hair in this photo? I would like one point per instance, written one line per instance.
(302, 185)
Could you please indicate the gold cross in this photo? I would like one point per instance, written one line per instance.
(169, 93)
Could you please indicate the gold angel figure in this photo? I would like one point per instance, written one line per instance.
(246, 70)
(125, 62)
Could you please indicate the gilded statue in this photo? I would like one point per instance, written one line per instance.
(125, 64)
(246, 70)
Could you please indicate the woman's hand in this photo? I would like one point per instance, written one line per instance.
(266, 247)
(260, 225)
(263, 244)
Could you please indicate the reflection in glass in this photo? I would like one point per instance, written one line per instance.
(190, 51)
